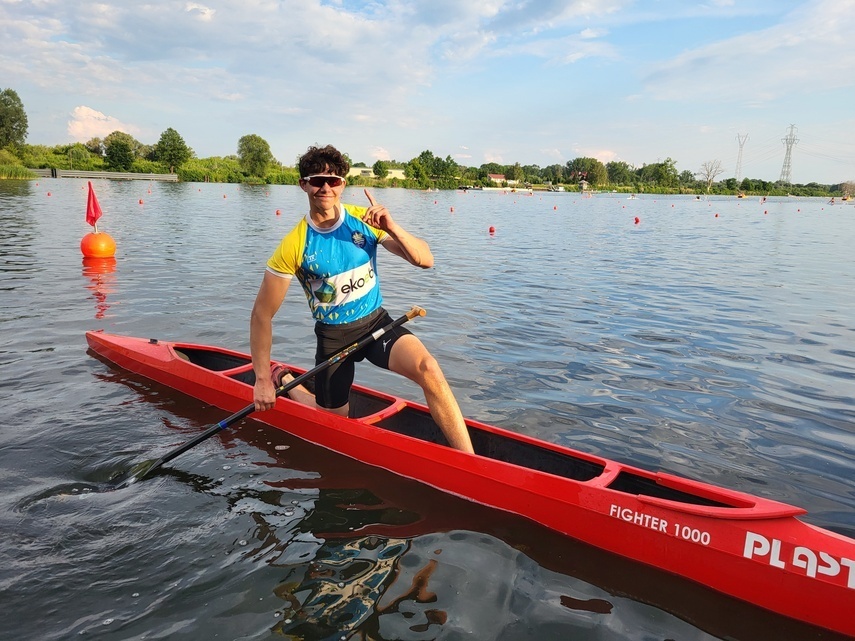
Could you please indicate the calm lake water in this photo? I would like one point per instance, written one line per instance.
(714, 340)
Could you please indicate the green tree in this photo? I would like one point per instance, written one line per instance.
(515, 172)
(532, 174)
(120, 152)
(254, 155)
(380, 169)
(553, 174)
(589, 169)
(13, 119)
(662, 174)
(95, 146)
(137, 148)
(418, 173)
(492, 168)
(686, 178)
(78, 154)
(620, 172)
(171, 150)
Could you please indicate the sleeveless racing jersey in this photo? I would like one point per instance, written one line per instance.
(337, 266)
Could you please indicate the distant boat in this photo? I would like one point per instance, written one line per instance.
(632, 197)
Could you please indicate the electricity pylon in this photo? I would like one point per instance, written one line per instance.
(787, 170)
(741, 140)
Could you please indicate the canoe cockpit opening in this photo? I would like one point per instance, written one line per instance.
(211, 360)
(419, 424)
(637, 484)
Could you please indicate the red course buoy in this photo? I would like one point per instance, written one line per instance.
(637, 220)
(492, 229)
(278, 212)
(98, 245)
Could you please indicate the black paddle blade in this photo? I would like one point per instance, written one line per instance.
(136, 473)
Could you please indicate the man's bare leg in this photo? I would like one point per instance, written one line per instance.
(411, 358)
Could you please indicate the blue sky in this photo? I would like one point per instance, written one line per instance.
(535, 82)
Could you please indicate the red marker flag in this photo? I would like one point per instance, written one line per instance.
(93, 209)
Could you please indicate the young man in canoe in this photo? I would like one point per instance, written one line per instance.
(332, 252)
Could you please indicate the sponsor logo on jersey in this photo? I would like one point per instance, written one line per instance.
(344, 288)
(358, 239)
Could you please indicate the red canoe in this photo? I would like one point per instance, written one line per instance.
(747, 547)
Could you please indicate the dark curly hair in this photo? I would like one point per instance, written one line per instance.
(321, 160)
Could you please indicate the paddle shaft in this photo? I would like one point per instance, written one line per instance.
(249, 409)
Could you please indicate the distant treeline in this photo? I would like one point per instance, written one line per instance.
(254, 163)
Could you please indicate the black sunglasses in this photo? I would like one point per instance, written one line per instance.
(319, 180)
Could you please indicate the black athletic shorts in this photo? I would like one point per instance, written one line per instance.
(332, 386)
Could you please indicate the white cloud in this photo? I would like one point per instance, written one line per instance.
(87, 123)
(380, 153)
(603, 155)
(202, 12)
(809, 50)
(587, 34)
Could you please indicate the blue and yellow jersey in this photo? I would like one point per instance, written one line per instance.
(336, 266)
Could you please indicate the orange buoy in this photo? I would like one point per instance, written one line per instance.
(98, 245)
(492, 229)
(141, 201)
(278, 212)
(451, 210)
(48, 193)
(637, 220)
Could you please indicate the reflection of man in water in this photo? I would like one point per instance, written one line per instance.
(339, 591)
(456, 584)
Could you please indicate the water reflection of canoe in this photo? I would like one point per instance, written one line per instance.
(747, 547)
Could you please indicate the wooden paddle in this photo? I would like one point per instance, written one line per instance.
(142, 470)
